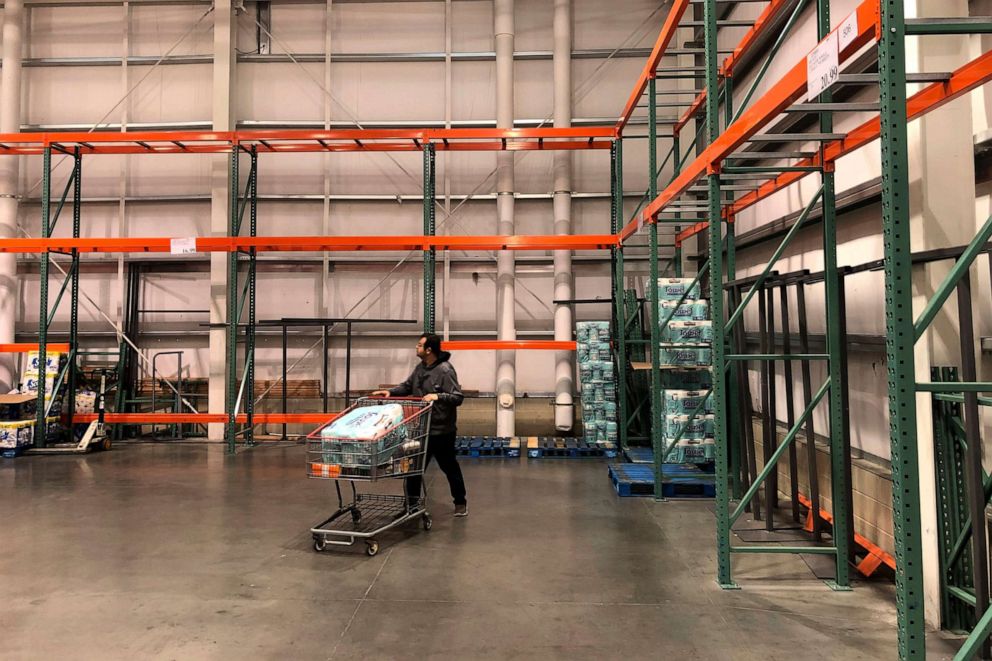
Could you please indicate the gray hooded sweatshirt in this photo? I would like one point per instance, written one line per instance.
(439, 378)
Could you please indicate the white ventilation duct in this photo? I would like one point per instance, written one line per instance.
(564, 369)
(505, 300)
(10, 122)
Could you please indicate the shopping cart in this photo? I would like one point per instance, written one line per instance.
(397, 452)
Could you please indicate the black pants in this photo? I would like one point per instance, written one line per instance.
(442, 448)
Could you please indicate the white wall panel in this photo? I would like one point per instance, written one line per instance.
(76, 95)
(75, 31)
(178, 93)
(471, 26)
(385, 27)
(157, 28)
(277, 91)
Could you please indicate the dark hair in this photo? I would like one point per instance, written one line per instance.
(432, 342)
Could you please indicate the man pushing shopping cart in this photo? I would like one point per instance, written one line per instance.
(385, 437)
(434, 380)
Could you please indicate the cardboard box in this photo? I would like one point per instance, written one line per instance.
(16, 434)
(18, 407)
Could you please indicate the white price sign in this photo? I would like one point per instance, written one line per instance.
(848, 31)
(183, 246)
(822, 67)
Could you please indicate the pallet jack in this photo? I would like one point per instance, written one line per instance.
(95, 437)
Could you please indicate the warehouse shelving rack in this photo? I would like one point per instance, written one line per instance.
(726, 155)
(243, 244)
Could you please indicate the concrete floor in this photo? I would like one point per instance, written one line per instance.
(180, 552)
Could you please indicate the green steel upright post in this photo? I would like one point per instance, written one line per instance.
(656, 403)
(841, 489)
(74, 293)
(232, 306)
(429, 230)
(899, 332)
(724, 577)
(249, 396)
(619, 303)
(40, 431)
(734, 425)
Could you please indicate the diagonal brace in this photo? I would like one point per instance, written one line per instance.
(965, 536)
(65, 195)
(678, 436)
(739, 312)
(772, 462)
(975, 640)
(951, 281)
(702, 270)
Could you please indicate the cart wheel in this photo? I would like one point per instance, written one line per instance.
(372, 547)
(427, 521)
(319, 544)
(105, 445)
(356, 515)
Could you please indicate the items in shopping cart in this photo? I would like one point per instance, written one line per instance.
(374, 439)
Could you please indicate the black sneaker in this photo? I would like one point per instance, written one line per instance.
(461, 510)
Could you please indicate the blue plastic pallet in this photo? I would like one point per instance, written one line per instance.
(556, 447)
(10, 453)
(486, 446)
(639, 455)
(681, 481)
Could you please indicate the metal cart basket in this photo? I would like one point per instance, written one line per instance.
(397, 452)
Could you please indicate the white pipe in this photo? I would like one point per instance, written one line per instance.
(10, 122)
(562, 57)
(505, 299)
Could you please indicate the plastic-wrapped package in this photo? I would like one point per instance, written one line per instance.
(688, 332)
(672, 289)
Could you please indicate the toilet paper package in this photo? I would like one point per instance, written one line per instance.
(673, 289)
(684, 402)
(688, 332)
(685, 356)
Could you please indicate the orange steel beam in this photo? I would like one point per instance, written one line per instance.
(761, 24)
(293, 141)
(963, 80)
(25, 347)
(316, 243)
(776, 100)
(660, 46)
(200, 418)
(874, 555)
(689, 112)
(488, 345)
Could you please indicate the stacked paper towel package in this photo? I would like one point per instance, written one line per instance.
(686, 356)
(370, 436)
(594, 355)
(18, 409)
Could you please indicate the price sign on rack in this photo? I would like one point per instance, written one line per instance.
(848, 30)
(183, 246)
(822, 67)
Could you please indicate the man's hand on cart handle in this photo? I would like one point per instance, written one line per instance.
(431, 397)
(380, 393)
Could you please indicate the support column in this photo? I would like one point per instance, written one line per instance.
(899, 334)
(942, 214)
(505, 295)
(10, 122)
(839, 441)
(223, 120)
(564, 365)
